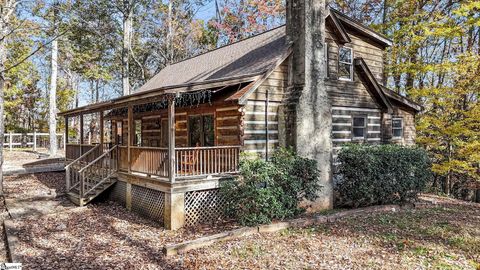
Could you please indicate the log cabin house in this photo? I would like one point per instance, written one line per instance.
(163, 150)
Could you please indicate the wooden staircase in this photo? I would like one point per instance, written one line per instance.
(91, 174)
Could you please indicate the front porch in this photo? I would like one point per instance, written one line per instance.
(162, 156)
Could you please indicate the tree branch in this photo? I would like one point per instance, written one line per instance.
(43, 45)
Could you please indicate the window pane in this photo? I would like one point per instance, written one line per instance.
(397, 123)
(208, 130)
(345, 55)
(344, 71)
(358, 132)
(195, 130)
(397, 132)
(358, 121)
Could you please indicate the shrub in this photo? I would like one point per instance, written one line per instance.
(270, 189)
(380, 174)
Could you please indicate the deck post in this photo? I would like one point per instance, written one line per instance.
(65, 139)
(171, 139)
(81, 134)
(129, 137)
(101, 130)
(174, 211)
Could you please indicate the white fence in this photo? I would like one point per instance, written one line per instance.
(31, 140)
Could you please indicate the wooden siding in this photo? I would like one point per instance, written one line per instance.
(263, 116)
(227, 125)
(342, 118)
(353, 93)
(409, 131)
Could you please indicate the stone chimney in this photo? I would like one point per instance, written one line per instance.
(309, 119)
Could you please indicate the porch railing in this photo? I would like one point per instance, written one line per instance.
(72, 169)
(98, 171)
(74, 151)
(190, 161)
(195, 161)
(150, 160)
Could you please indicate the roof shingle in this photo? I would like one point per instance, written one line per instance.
(251, 56)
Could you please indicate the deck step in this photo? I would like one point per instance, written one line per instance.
(74, 196)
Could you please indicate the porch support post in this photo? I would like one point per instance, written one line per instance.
(174, 217)
(81, 134)
(114, 132)
(101, 129)
(65, 139)
(171, 139)
(130, 137)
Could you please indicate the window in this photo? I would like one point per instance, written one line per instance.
(359, 127)
(397, 127)
(201, 130)
(345, 64)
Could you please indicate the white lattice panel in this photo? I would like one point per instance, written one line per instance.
(149, 203)
(119, 192)
(205, 206)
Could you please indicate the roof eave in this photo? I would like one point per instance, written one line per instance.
(377, 89)
(153, 93)
(404, 100)
(242, 100)
(379, 38)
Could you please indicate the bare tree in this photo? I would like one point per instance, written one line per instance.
(52, 106)
(7, 8)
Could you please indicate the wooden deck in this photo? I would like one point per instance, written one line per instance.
(190, 162)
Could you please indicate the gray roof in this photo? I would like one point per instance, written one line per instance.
(251, 56)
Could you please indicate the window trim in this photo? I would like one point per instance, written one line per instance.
(365, 127)
(202, 131)
(401, 128)
(348, 63)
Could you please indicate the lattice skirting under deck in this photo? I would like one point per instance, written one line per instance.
(146, 202)
(119, 192)
(149, 203)
(204, 206)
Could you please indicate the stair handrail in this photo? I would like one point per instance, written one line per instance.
(98, 158)
(67, 167)
(82, 176)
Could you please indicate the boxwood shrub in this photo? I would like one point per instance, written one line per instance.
(270, 189)
(380, 174)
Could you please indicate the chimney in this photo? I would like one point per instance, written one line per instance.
(309, 119)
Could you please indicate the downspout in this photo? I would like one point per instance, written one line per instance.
(266, 125)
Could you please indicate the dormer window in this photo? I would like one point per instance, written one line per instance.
(345, 64)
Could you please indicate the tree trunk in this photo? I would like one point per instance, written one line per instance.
(170, 33)
(7, 8)
(52, 107)
(127, 33)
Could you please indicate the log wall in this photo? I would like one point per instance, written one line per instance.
(263, 114)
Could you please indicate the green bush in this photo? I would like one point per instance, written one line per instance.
(380, 174)
(271, 189)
